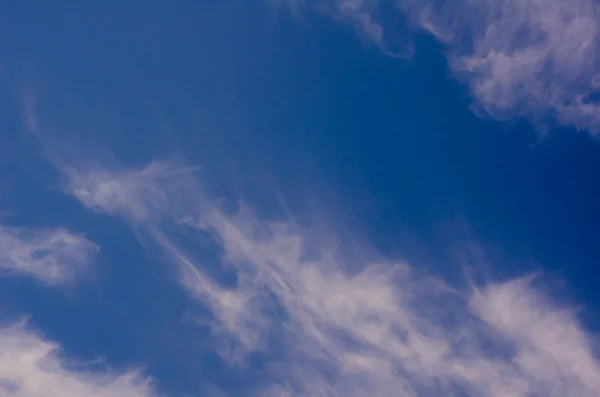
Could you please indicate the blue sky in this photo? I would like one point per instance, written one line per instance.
(299, 198)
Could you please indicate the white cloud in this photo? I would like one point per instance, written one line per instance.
(53, 256)
(520, 58)
(523, 58)
(31, 366)
(381, 330)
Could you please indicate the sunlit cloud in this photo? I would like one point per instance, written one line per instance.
(381, 329)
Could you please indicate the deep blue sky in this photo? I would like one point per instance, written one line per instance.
(268, 102)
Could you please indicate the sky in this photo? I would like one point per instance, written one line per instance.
(300, 198)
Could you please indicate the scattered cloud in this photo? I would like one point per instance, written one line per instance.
(52, 256)
(530, 59)
(383, 329)
(31, 366)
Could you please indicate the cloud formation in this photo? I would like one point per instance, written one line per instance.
(382, 329)
(530, 59)
(31, 366)
(52, 256)
(139, 196)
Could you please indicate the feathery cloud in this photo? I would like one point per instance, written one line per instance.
(380, 330)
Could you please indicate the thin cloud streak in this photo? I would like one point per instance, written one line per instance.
(383, 329)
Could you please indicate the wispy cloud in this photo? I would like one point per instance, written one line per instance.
(382, 329)
(52, 256)
(31, 366)
(530, 59)
(137, 195)
(361, 15)
(151, 198)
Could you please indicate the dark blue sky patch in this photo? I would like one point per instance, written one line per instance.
(374, 157)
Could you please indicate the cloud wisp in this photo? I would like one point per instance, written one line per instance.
(330, 329)
(52, 256)
(32, 366)
(530, 59)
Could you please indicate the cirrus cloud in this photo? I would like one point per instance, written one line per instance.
(531, 59)
(384, 329)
